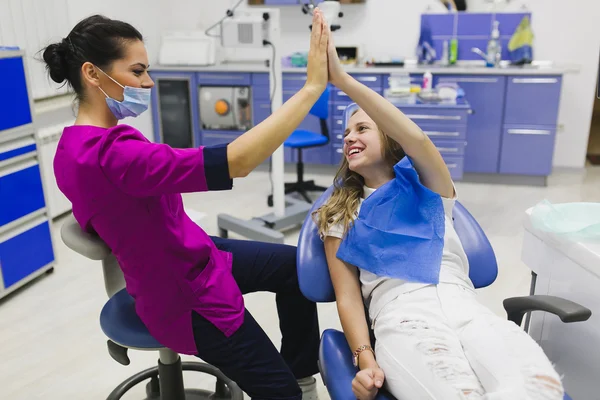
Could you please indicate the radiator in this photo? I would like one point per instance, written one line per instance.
(48, 138)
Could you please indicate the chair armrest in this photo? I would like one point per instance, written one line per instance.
(86, 244)
(566, 310)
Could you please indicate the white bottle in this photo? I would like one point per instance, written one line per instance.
(427, 80)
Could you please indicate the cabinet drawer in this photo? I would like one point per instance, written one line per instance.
(260, 79)
(228, 79)
(428, 116)
(532, 100)
(216, 138)
(262, 111)
(443, 131)
(21, 190)
(293, 81)
(455, 166)
(374, 81)
(14, 104)
(16, 148)
(337, 110)
(261, 93)
(25, 250)
(527, 150)
(450, 147)
(337, 153)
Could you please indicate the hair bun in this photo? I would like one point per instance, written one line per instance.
(54, 57)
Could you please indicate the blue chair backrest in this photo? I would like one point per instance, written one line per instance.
(313, 272)
(321, 108)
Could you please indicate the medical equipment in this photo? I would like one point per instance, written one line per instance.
(329, 8)
(187, 48)
(226, 108)
(241, 29)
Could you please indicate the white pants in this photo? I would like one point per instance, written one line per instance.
(439, 343)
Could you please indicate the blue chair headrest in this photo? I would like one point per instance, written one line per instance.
(313, 272)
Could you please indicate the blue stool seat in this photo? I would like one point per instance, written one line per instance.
(301, 139)
(121, 324)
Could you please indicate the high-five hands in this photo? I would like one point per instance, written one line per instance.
(316, 70)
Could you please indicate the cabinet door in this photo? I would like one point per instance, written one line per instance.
(527, 150)
(175, 112)
(25, 250)
(14, 102)
(21, 190)
(485, 94)
(532, 100)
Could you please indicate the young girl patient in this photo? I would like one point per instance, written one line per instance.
(401, 256)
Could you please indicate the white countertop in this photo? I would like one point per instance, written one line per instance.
(585, 254)
(467, 68)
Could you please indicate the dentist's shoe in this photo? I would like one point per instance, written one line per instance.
(309, 388)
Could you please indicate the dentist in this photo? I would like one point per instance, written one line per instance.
(187, 285)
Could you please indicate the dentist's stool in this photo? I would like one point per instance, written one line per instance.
(125, 330)
(335, 356)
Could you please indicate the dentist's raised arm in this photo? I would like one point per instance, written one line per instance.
(255, 146)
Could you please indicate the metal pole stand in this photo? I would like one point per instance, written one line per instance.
(266, 228)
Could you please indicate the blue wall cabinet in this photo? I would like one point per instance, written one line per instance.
(486, 95)
(26, 248)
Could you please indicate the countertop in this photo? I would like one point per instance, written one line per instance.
(467, 68)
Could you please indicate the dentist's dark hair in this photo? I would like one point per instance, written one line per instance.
(96, 39)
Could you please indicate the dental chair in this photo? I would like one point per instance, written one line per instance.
(125, 330)
(335, 356)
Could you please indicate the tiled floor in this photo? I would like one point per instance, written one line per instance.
(51, 345)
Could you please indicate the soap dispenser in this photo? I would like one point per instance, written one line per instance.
(494, 49)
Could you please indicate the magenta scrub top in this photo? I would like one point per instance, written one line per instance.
(127, 190)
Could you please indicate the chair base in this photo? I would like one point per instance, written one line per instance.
(168, 384)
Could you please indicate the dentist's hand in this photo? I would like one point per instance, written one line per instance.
(336, 72)
(316, 70)
(367, 383)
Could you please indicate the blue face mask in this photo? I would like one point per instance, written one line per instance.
(135, 100)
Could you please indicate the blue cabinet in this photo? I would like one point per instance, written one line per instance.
(14, 102)
(486, 95)
(26, 248)
(532, 100)
(21, 191)
(529, 129)
(527, 149)
(26, 251)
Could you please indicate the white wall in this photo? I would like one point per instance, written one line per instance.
(565, 32)
(144, 16)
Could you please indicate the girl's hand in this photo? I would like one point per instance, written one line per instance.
(316, 70)
(367, 383)
(336, 71)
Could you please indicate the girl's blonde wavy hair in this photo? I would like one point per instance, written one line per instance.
(348, 189)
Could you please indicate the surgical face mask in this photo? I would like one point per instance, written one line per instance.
(135, 100)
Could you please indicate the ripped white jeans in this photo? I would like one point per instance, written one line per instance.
(439, 343)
